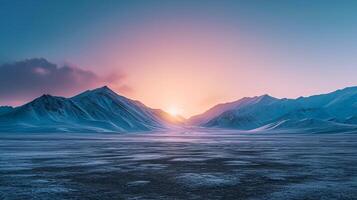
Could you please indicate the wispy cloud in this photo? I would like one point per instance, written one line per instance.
(25, 80)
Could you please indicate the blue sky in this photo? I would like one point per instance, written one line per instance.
(284, 48)
(33, 28)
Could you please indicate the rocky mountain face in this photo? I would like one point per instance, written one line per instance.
(333, 110)
(98, 110)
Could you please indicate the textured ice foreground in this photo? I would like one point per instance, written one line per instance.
(186, 164)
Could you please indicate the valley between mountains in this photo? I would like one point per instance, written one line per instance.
(103, 110)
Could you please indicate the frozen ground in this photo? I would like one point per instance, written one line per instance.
(186, 164)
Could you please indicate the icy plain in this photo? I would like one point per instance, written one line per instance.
(180, 164)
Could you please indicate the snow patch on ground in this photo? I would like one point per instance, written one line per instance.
(207, 179)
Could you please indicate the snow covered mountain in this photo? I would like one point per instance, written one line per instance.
(337, 109)
(98, 110)
(219, 109)
(102, 110)
(5, 109)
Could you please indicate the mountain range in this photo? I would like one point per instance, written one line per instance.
(102, 110)
(335, 111)
(98, 110)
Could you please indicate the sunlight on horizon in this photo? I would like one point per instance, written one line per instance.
(174, 111)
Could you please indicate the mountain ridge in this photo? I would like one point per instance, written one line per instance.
(339, 107)
(97, 110)
(103, 110)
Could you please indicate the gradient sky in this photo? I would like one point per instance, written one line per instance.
(185, 55)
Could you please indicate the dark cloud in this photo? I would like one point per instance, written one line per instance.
(25, 80)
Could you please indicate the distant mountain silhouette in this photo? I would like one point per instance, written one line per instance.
(327, 112)
(102, 110)
(98, 110)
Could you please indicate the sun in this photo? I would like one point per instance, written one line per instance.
(173, 111)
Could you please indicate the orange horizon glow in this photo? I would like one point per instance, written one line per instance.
(180, 56)
(196, 67)
(186, 65)
(183, 65)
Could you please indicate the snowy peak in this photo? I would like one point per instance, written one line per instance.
(98, 110)
(266, 99)
(352, 89)
(103, 110)
(45, 103)
(47, 99)
(105, 89)
(235, 105)
(265, 111)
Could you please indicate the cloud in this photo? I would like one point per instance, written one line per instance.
(28, 79)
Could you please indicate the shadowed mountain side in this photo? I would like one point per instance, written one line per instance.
(326, 111)
(5, 109)
(98, 110)
(102, 110)
(221, 108)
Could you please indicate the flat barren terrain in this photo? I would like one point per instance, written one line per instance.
(181, 164)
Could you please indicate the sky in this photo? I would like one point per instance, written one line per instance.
(180, 56)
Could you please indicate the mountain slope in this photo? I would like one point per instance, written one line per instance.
(221, 108)
(337, 108)
(98, 110)
(5, 109)
(307, 125)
